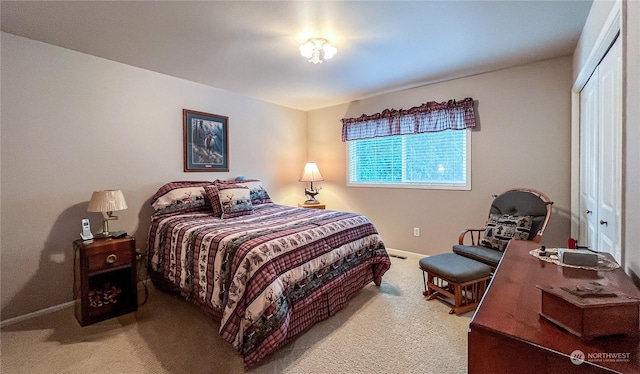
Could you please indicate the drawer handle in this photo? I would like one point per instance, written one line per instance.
(112, 258)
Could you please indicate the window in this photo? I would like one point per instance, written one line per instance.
(439, 160)
(427, 146)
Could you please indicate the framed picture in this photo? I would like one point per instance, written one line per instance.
(206, 141)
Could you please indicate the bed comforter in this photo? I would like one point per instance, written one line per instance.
(267, 276)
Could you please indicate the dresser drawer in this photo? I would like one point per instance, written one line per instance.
(110, 256)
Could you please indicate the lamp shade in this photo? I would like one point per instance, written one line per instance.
(311, 173)
(107, 201)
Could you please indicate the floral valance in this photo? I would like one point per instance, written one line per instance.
(428, 117)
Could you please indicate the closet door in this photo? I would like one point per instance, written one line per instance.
(588, 162)
(610, 151)
(601, 155)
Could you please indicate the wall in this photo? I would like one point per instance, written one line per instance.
(598, 14)
(523, 140)
(73, 123)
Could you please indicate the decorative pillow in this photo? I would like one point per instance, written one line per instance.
(235, 200)
(213, 195)
(187, 196)
(502, 228)
(259, 194)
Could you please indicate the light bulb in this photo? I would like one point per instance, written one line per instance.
(306, 49)
(329, 51)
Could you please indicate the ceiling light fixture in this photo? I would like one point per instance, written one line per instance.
(317, 50)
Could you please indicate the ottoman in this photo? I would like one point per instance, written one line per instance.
(456, 280)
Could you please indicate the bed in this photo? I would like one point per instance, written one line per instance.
(266, 272)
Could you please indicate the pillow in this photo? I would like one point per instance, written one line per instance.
(258, 193)
(235, 200)
(181, 196)
(502, 228)
(212, 194)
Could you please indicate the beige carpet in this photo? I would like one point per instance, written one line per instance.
(387, 329)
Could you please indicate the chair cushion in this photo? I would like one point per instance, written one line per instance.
(502, 228)
(485, 255)
(455, 268)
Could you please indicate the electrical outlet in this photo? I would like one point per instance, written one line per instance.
(416, 231)
(139, 254)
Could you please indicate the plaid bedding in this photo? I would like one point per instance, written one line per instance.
(267, 276)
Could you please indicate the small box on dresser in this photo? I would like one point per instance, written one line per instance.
(588, 317)
(105, 280)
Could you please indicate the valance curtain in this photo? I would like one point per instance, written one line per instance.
(428, 117)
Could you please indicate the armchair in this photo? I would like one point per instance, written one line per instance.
(517, 213)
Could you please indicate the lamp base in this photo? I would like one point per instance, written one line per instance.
(118, 234)
(311, 195)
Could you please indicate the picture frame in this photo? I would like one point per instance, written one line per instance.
(206, 141)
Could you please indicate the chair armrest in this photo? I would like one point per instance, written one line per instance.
(474, 234)
(538, 237)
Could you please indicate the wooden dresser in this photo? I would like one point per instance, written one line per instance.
(508, 335)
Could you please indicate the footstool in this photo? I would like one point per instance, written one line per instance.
(451, 277)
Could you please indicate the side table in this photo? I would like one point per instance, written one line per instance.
(105, 280)
(311, 206)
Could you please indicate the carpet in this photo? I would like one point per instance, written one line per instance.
(386, 329)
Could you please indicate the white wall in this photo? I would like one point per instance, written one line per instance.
(522, 141)
(73, 123)
(598, 14)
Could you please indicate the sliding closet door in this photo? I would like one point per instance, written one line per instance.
(588, 162)
(601, 155)
(610, 151)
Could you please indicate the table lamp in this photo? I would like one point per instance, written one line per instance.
(107, 202)
(311, 174)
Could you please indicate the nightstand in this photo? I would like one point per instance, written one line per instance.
(105, 281)
(311, 206)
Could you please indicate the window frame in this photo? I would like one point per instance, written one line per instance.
(432, 186)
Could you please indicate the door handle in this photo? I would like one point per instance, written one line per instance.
(588, 211)
(604, 223)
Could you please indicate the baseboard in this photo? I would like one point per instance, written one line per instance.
(48, 310)
(35, 314)
(398, 252)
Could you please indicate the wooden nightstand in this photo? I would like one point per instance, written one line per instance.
(105, 281)
(312, 206)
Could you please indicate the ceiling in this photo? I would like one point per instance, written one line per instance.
(251, 47)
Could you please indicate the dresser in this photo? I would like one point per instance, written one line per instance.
(508, 335)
